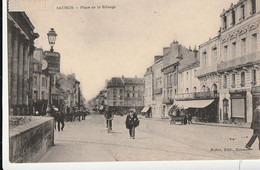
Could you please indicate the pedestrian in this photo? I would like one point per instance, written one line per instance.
(60, 119)
(132, 122)
(109, 117)
(189, 118)
(255, 125)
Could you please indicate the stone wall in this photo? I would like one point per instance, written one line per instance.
(30, 141)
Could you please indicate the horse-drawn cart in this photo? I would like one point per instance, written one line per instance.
(177, 115)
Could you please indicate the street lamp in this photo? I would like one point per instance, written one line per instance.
(52, 38)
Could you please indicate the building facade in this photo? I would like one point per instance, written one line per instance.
(157, 100)
(125, 93)
(21, 38)
(230, 62)
(148, 95)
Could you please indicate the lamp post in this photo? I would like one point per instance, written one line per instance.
(51, 38)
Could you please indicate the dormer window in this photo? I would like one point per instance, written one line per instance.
(253, 4)
(233, 17)
(225, 21)
(242, 12)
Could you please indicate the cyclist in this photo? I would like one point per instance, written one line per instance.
(109, 115)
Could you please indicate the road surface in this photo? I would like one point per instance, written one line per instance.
(156, 140)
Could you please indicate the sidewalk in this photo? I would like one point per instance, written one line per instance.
(244, 125)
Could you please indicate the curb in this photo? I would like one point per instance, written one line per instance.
(221, 125)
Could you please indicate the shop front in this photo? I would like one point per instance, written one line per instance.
(201, 110)
(256, 96)
(238, 106)
(147, 111)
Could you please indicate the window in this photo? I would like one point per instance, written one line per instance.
(35, 80)
(127, 95)
(253, 77)
(233, 80)
(43, 82)
(121, 90)
(214, 53)
(254, 42)
(225, 22)
(194, 89)
(35, 93)
(205, 58)
(225, 81)
(187, 90)
(253, 3)
(243, 46)
(133, 94)
(187, 75)
(234, 44)
(233, 17)
(133, 88)
(114, 103)
(170, 80)
(225, 52)
(243, 11)
(175, 79)
(203, 89)
(42, 94)
(243, 79)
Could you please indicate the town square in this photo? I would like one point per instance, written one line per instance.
(132, 81)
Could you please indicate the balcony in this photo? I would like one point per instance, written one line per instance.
(206, 70)
(158, 91)
(167, 101)
(239, 62)
(197, 95)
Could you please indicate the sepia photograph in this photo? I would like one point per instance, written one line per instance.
(134, 81)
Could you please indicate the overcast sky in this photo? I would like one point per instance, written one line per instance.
(100, 44)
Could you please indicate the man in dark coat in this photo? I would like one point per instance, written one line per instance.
(131, 123)
(61, 120)
(255, 125)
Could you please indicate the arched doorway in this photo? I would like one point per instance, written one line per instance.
(214, 89)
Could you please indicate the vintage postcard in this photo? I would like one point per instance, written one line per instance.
(132, 81)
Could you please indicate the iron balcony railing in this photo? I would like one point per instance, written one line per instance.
(197, 95)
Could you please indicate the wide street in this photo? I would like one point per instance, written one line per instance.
(156, 140)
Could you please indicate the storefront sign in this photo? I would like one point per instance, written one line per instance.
(53, 60)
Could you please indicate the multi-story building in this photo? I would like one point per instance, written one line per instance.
(115, 92)
(157, 102)
(125, 93)
(134, 92)
(230, 62)
(148, 95)
(40, 82)
(20, 38)
(176, 57)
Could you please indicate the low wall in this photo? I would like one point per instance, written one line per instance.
(30, 141)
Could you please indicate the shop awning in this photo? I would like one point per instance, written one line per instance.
(193, 103)
(145, 109)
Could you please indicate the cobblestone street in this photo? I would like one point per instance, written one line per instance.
(156, 140)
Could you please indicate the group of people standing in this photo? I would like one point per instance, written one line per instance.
(131, 122)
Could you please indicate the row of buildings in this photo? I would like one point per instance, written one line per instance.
(218, 82)
(121, 94)
(34, 78)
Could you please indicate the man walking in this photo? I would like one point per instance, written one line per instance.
(255, 125)
(131, 123)
(61, 120)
